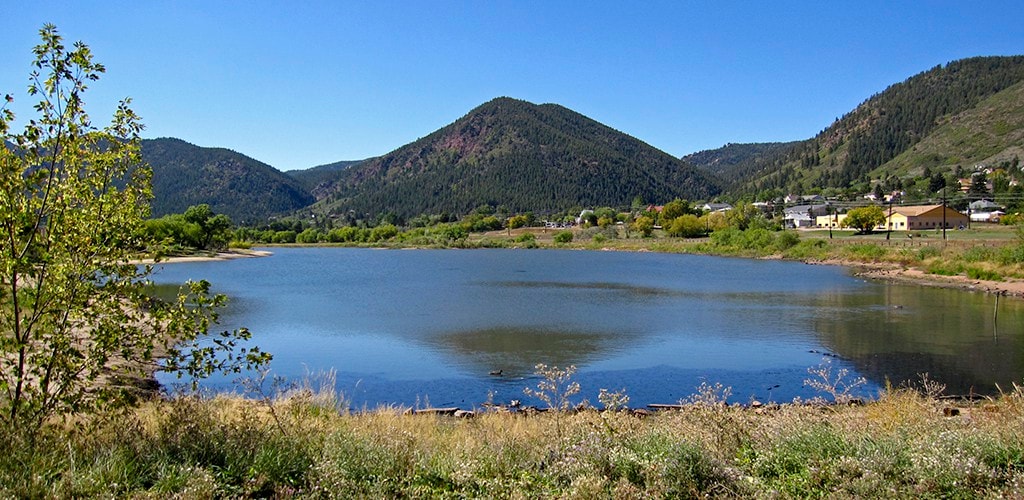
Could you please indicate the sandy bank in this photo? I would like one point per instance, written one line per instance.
(234, 253)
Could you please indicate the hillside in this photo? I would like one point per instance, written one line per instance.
(314, 177)
(990, 133)
(231, 183)
(725, 159)
(857, 148)
(517, 154)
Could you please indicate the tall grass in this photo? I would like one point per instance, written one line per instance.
(901, 445)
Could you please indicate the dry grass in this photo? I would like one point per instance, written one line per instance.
(904, 444)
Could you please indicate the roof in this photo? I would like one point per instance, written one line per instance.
(916, 210)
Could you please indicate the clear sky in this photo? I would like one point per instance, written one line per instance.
(305, 82)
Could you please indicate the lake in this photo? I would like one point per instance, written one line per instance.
(419, 327)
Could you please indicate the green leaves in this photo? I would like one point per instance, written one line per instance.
(75, 320)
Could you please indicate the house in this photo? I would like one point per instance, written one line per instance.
(911, 218)
(983, 206)
(805, 198)
(834, 220)
(803, 215)
(764, 206)
(716, 207)
(797, 220)
(813, 210)
(987, 216)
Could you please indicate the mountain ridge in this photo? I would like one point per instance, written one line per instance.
(518, 154)
(233, 184)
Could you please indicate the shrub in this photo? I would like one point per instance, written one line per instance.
(786, 240)
(284, 237)
(978, 273)
(563, 237)
(928, 252)
(866, 251)
(686, 226)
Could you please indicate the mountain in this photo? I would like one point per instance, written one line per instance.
(990, 133)
(878, 138)
(314, 177)
(231, 183)
(524, 156)
(724, 159)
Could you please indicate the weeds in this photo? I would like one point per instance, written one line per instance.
(556, 389)
(837, 384)
(897, 446)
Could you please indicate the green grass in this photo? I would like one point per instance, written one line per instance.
(900, 445)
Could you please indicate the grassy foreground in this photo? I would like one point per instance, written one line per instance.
(904, 444)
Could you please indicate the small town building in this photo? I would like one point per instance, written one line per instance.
(716, 207)
(992, 216)
(803, 215)
(833, 220)
(803, 198)
(913, 218)
(983, 206)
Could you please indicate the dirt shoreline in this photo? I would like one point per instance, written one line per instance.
(232, 254)
(890, 273)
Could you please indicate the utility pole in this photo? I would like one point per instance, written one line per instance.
(888, 222)
(943, 213)
(828, 208)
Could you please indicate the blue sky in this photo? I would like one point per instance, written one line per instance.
(302, 83)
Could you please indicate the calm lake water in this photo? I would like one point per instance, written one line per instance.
(416, 326)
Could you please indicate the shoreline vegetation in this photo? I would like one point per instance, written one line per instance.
(306, 442)
(965, 263)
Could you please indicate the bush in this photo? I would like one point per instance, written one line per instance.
(978, 273)
(563, 237)
(284, 237)
(686, 226)
(866, 251)
(786, 240)
(928, 252)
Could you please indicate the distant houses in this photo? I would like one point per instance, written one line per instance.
(716, 207)
(803, 215)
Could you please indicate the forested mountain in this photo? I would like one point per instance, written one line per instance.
(524, 156)
(724, 159)
(542, 158)
(859, 147)
(990, 133)
(321, 175)
(231, 183)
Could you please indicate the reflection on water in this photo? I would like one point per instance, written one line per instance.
(899, 332)
(398, 325)
(515, 351)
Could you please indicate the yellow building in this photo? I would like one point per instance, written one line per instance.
(834, 220)
(912, 218)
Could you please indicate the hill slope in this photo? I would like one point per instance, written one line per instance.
(314, 177)
(231, 183)
(990, 133)
(725, 159)
(858, 147)
(517, 154)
